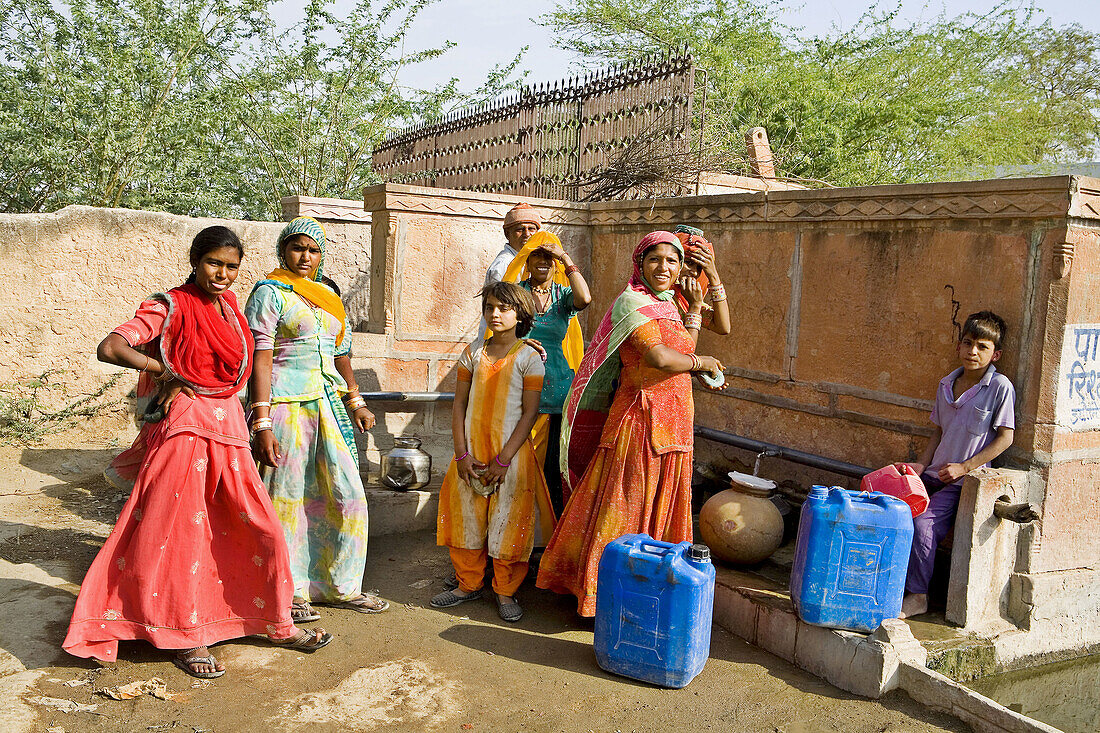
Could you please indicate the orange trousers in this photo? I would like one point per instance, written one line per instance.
(470, 571)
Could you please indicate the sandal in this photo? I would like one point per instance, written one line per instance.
(365, 603)
(184, 661)
(301, 612)
(306, 640)
(449, 598)
(510, 611)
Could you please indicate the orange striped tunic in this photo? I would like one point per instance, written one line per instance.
(518, 515)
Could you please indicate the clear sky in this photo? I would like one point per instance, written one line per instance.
(489, 32)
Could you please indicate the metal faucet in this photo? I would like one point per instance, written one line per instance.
(766, 453)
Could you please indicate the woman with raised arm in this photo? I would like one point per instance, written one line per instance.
(304, 401)
(699, 264)
(197, 555)
(627, 435)
(560, 292)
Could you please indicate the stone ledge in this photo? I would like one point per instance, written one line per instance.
(761, 612)
(325, 209)
(397, 512)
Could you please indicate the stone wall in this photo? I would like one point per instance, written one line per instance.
(429, 254)
(846, 306)
(77, 273)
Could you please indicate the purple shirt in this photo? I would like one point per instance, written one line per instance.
(970, 423)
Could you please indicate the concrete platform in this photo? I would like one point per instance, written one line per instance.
(757, 607)
(396, 512)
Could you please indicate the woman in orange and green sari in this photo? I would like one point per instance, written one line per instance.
(627, 440)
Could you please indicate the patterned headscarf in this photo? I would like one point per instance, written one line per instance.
(311, 228)
(692, 239)
(637, 280)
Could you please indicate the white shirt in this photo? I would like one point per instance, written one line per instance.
(495, 274)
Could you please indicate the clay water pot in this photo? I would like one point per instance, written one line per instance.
(742, 525)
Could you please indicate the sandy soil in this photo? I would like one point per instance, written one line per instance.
(412, 668)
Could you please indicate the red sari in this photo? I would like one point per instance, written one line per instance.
(638, 478)
(197, 555)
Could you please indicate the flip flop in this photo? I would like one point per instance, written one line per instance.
(365, 603)
(306, 640)
(301, 612)
(185, 663)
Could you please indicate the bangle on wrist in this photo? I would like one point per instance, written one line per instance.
(460, 457)
(570, 269)
(693, 320)
(694, 363)
(496, 460)
(254, 405)
(718, 292)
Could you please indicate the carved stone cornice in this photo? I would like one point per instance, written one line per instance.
(425, 200)
(1085, 203)
(1024, 198)
(324, 209)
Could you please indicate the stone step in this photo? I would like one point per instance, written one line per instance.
(394, 512)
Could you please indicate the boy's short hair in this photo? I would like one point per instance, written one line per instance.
(518, 298)
(985, 325)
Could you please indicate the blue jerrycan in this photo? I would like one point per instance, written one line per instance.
(653, 609)
(851, 558)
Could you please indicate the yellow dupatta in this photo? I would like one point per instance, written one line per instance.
(573, 343)
(317, 293)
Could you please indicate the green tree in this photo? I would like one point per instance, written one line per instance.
(316, 108)
(202, 107)
(879, 103)
(118, 103)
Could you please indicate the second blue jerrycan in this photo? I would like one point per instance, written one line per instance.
(653, 609)
(851, 558)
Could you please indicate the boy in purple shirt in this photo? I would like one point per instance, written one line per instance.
(974, 424)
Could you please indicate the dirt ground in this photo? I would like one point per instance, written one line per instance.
(411, 668)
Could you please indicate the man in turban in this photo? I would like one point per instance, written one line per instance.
(521, 221)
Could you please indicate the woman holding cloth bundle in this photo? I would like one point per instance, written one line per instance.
(627, 428)
(302, 392)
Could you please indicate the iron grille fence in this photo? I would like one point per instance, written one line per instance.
(549, 141)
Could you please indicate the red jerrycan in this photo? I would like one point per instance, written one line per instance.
(901, 481)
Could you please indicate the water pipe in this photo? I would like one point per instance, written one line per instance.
(407, 396)
(778, 451)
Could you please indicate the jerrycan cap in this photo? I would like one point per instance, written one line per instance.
(699, 553)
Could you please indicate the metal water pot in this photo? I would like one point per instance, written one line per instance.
(406, 466)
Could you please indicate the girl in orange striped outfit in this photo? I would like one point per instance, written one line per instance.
(494, 501)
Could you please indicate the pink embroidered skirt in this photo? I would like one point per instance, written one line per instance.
(198, 554)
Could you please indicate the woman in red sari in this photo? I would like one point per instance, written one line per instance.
(626, 449)
(197, 555)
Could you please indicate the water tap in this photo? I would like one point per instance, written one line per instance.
(766, 453)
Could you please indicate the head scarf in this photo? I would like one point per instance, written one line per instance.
(573, 344)
(593, 387)
(209, 351)
(692, 239)
(637, 280)
(313, 290)
(522, 213)
(310, 227)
